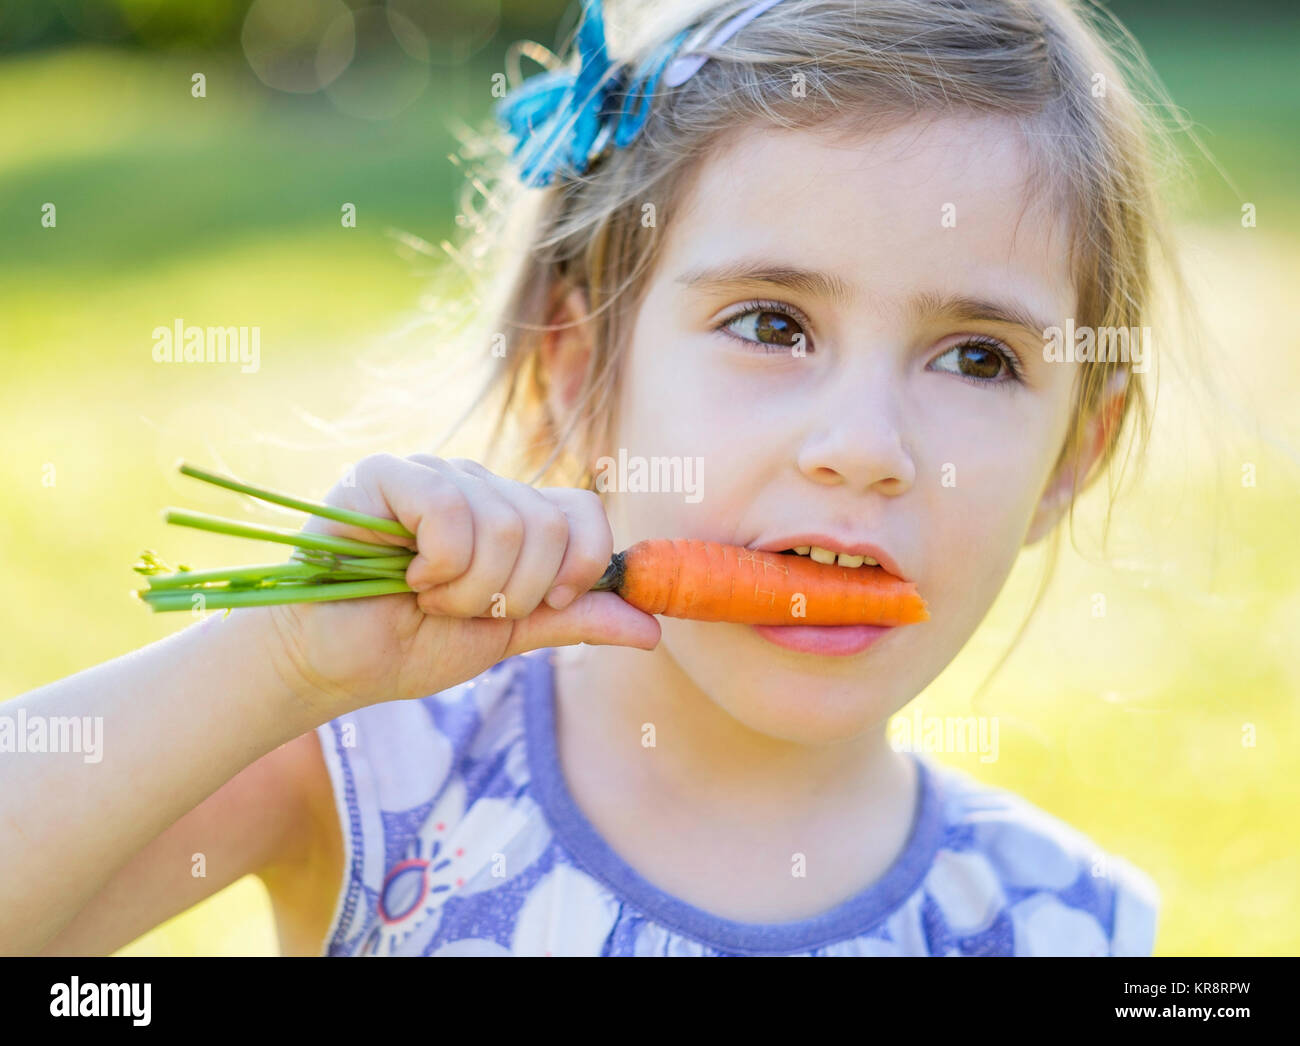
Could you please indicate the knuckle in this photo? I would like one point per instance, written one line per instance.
(591, 561)
(447, 560)
(593, 509)
(504, 526)
(446, 528)
(372, 464)
(367, 473)
(449, 501)
(589, 501)
(468, 465)
(553, 526)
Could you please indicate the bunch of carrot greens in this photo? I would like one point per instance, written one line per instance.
(321, 567)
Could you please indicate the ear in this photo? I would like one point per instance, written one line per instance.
(1098, 431)
(566, 351)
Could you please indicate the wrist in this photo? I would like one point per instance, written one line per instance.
(288, 648)
(274, 682)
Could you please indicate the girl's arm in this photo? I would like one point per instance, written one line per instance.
(181, 718)
(282, 806)
(184, 716)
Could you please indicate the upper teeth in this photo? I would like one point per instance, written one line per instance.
(825, 555)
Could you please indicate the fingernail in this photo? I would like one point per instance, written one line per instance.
(559, 597)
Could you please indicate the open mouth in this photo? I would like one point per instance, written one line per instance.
(824, 555)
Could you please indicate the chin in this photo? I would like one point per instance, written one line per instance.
(805, 726)
(782, 694)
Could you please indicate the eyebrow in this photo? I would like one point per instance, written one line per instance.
(966, 307)
(809, 281)
(823, 284)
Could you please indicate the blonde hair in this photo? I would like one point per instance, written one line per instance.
(1051, 66)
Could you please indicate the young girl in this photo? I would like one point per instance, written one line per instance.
(810, 252)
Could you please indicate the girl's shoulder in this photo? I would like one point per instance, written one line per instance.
(1054, 884)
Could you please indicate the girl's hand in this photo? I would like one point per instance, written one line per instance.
(501, 568)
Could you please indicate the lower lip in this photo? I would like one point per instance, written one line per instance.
(833, 640)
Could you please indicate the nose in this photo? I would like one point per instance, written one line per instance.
(857, 437)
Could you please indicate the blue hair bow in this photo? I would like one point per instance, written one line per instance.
(563, 122)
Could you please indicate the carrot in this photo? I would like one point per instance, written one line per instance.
(708, 581)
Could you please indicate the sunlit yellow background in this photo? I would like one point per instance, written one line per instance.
(1165, 729)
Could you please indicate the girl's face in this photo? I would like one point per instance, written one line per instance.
(919, 417)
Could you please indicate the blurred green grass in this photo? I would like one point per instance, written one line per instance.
(226, 211)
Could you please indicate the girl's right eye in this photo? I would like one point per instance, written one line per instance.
(772, 325)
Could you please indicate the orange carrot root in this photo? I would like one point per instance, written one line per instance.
(709, 581)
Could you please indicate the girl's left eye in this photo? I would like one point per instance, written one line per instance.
(982, 360)
(774, 326)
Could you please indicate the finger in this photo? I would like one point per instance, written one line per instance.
(545, 537)
(590, 546)
(423, 500)
(590, 540)
(359, 491)
(470, 466)
(598, 618)
(498, 540)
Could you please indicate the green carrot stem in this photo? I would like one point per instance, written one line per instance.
(398, 563)
(302, 539)
(358, 571)
(249, 575)
(333, 562)
(339, 515)
(180, 599)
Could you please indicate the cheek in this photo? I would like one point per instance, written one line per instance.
(677, 401)
(990, 482)
(659, 418)
(990, 476)
(674, 398)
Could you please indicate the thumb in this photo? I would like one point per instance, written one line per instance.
(598, 618)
